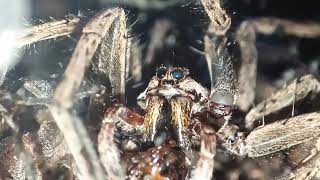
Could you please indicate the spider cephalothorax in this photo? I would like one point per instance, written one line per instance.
(171, 87)
(173, 81)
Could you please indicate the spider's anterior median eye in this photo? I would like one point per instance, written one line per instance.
(161, 72)
(177, 74)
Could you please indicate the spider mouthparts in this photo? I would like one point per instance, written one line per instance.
(168, 82)
(180, 108)
(152, 116)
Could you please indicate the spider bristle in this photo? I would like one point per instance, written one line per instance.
(225, 80)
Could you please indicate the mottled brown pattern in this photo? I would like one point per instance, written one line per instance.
(10, 165)
(157, 163)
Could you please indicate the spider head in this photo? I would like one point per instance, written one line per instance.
(168, 82)
(171, 87)
(170, 76)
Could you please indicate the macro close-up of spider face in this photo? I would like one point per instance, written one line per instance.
(183, 94)
(159, 90)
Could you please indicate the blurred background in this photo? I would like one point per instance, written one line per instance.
(186, 25)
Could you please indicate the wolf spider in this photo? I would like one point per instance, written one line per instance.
(183, 122)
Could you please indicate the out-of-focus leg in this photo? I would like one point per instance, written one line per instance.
(205, 164)
(129, 122)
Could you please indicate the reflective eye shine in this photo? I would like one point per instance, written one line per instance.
(161, 72)
(177, 74)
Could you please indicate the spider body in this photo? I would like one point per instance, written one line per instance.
(177, 129)
(183, 125)
(165, 161)
(182, 95)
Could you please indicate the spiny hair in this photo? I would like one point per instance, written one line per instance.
(225, 79)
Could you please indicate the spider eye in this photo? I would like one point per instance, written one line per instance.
(177, 74)
(161, 72)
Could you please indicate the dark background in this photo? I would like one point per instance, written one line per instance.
(277, 53)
